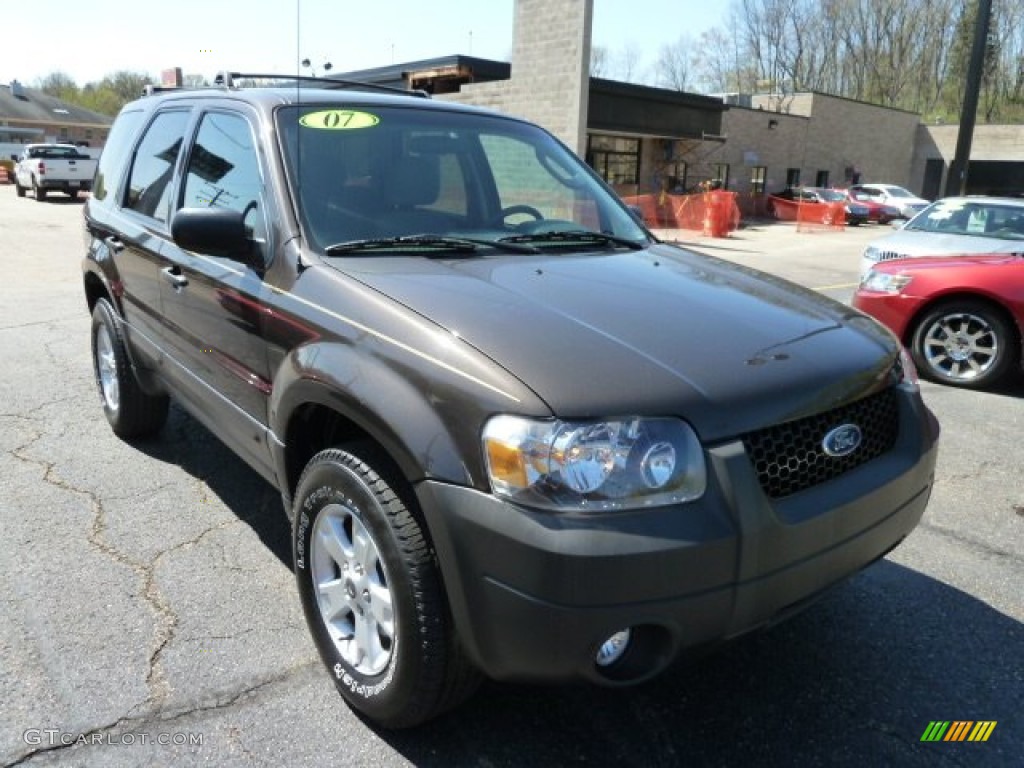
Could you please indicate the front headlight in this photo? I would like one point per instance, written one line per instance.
(594, 465)
(884, 282)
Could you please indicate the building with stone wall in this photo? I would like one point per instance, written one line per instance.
(649, 140)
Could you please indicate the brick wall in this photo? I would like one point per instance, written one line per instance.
(550, 70)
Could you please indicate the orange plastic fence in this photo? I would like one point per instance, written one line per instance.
(816, 217)
(713, 213)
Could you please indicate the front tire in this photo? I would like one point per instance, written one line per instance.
(19, 190)
(371, 591)
(130, 411)
(965, 344)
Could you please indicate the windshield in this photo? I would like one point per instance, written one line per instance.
(368, 175)
(969, 217)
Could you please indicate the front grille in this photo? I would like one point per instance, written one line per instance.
(890, 255)
(790, 457)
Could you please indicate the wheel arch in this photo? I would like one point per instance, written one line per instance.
(311, 410)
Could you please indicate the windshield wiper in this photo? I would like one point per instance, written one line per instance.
(429, 242)
(575, 237)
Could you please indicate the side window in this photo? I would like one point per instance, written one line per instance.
(224, 171)
(111, 164)
(149, 185)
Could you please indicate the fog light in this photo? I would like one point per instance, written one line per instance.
(612, 649)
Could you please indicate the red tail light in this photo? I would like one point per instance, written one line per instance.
(42, 167)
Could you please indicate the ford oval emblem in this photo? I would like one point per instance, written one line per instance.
(842, 441)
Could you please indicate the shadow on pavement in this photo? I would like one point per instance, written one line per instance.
(853, 681)
(186, 443)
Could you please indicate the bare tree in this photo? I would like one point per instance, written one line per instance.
(628, 62)
(599, 61)
(673, 67)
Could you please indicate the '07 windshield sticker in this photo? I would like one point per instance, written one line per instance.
(338, 120)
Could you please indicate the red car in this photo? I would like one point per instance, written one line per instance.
(879, 213)
(961, 317)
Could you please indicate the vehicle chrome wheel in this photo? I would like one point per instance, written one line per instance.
(371, 590)
(352, 588)
(131, 411)
(961, 346)
(106, 369)
(964, 343)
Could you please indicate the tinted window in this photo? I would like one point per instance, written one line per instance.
(114, 153)
(149, 185)
(224, 172)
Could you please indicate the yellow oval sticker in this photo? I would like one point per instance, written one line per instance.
(338, 120)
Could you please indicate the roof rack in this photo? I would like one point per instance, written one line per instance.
(231, 80)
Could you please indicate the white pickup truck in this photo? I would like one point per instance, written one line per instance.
(42, 167)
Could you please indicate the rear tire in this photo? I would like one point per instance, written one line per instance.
(38, 192)
(371, 591)
(964, 344)
(130, 411)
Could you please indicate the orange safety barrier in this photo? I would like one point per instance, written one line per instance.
(714, 213)
(815, 217)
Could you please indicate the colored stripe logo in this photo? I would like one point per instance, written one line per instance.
(958, 730)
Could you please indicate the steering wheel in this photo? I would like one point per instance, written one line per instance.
(528, 210)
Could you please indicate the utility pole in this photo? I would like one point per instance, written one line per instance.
(956, 181)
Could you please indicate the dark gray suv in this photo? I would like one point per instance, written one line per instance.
(517, 436)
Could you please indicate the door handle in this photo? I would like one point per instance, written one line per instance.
(174, 277)
(114, 244)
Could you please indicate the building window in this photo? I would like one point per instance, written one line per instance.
(758, 174)
(721, 176)
(616, 159)
(792, 177)
(821, 179)
(676, 177)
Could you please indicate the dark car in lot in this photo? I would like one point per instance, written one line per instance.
(962, 317)
(516, 435)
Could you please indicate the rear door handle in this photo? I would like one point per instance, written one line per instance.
(174, 277)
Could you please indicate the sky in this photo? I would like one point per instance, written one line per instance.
(88, 40)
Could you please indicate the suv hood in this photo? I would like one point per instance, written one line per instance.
(655, 332)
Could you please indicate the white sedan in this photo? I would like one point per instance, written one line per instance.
(953, 226)
(903, 200)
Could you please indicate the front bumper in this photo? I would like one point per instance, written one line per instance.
(534, 594)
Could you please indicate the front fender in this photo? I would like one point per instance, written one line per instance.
(429, 426)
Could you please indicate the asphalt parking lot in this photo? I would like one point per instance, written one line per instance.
(150, 615)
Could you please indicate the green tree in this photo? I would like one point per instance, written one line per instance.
(60, 85)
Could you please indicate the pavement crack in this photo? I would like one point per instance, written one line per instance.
(971, 543)
(156, 720)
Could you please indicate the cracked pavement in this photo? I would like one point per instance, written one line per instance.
(146, 591)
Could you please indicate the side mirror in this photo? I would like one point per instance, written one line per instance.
(216, 232)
